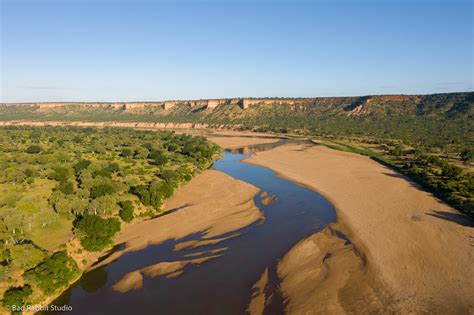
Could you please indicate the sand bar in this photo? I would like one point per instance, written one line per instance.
(419, 248)
(215, 204)
(238, 142)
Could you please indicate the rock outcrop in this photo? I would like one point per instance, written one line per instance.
(352, 104)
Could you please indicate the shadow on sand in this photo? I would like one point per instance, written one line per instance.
(458, 218)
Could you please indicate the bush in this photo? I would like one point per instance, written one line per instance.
(158, 157)
(467, 156)
(113, 167)
(96, 232)
(126, 211)
(16, 298)
(61, 174)
(126, 152)
(81, 165)
(33, 149)
(66, 188)
(54, 273)
(142, 193)
(103, 173)
(451, 170)
(165, 190)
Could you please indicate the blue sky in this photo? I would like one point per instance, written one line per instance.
(101, 50)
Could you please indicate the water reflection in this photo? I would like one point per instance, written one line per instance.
(94, 280)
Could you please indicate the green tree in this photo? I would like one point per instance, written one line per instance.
(102, 205)
(15, 297)
(54, 273)
(25, 256)
(66, 188)
(142, 193)
(159, 157)
(101, 190)
(113, 167)
(165, 190)
(70, 204)
(95, 232)
(81, 165)
(451, 170)
(126, 152)
(467, 156)
(126, 211)
(397, 151)
(141, 153)
(61, 174)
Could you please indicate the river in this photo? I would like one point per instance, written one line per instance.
(218, 286)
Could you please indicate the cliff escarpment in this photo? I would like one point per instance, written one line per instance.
(440, 118)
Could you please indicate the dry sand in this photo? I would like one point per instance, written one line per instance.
(323, 274)
(257, 302)
(134, 280)
(416, 254)
(238, 142)
(215, 204)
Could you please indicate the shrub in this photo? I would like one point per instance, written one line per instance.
(165, 190)
(126, 152)
(158, 157)
(142, 193)
(126, 211)
(81, 165)
(66, 188)
(451, 170)
(113, 167)
(467, 156)
(61, 174)
(33, 149)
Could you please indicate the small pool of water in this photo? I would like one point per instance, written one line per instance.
(222, 285)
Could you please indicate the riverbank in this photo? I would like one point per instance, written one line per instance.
(414, 250)
(238, 140)
(212, 204)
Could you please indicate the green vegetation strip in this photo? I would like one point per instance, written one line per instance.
(63, 184)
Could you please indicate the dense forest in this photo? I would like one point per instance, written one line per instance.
(65, 192)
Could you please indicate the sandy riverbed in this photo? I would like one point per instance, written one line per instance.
(238, 142)
(412, 252)
(213, 203)
(230, 139)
